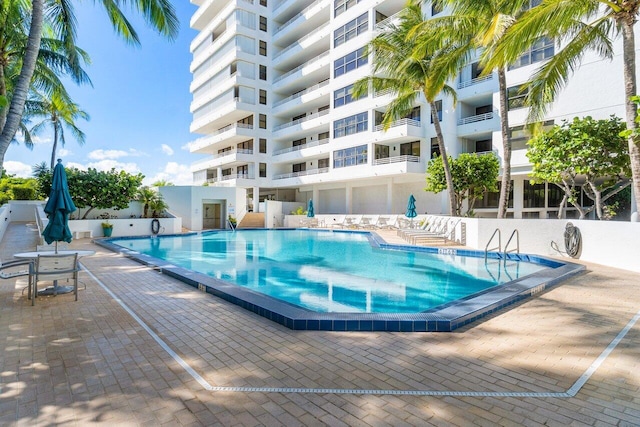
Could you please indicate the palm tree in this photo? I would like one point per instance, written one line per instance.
(579, 26)
(60, 112)
(480, 25)
(159, 14)
(409, 72)
(148, 197)
(162, 183)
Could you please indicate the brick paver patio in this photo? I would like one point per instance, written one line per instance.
(92, 362)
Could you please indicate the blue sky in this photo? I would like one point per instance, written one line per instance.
(139, 103)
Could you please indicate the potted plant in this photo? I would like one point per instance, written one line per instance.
(107, 228)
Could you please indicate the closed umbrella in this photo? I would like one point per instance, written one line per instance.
(58, 208)
(411, 209)
(310, 212)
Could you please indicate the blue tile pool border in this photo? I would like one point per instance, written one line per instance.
(446, 318)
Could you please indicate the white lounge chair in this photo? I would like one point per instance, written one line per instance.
(444, 235)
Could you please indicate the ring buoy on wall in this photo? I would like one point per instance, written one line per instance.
(155, 225)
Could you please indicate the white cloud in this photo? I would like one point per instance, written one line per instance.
(108, 164)
(167, 150)
(173, 172)
(19, 169)
(188, 146)
(63, 152)
(115, 154)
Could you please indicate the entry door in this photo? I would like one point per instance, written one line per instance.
(211, 215)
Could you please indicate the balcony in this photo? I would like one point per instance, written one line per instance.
(301, 173)
(230, 180)
(297, 26)
(228, 134)
(396, 159)
(478, 87)
(397, 165)
(312, 98)
(478, 124)
(314, 43)
(226, 158)
(208, 119)
(304, 123)
(301, 147)
(313, 70)
(399, 130)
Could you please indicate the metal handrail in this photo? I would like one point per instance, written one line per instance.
(477, 118)
(517, 248)
(467, 83)
(499, 247)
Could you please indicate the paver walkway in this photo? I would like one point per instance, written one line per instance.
(93, 362)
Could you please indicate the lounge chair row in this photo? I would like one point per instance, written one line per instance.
(433, 230)
(371, 222)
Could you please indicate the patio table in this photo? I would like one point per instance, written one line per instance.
(55, 289)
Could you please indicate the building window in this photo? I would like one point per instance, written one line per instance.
(381, 152)
(410, 149)
(263, 97)
(263, 72)
(349, 62)
(350, 30)
(263, 145)
(263, 170)
(341, 6)
(516, 97)
(344, 96)
(298, 142)
(263, 23)
(301, 116)
(262, 121)
(534, 195)
(350, 157)
(484, 146)
(541, 50)
(323, 163)
(246, 121)
(520, 135)
(439, 110)
(491, 200)
(245, 145)
(435, 148)
(243, 171)
(300, 167)
(263, 3)
(351, 125)
(262, 50)
(323, 135)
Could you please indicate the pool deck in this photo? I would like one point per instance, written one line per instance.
(140, 348)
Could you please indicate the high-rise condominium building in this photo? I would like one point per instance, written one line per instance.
(272, 102)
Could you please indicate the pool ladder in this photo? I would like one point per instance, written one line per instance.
(507, 251)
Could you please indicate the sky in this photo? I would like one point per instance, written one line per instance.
(138, 105)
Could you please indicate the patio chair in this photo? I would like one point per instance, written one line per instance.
(447, 233)
(55, 268)
(366, 223)
(7, 270)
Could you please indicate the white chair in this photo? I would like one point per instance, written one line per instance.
(55, 268)
(25, 270)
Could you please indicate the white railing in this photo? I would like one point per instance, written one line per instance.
(380, 25)
(205, 140)
(301, 173)
(299, 42)
(302, 120)
(230, 177)
(301, 147)
(300, 67)
(382, 93)
(304, 92)
(477, 80)
(478, 118)
(396, 159)
(401, 122)
(296, 16)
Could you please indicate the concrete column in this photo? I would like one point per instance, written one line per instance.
(315, 196)
(348, 202)
(256, 199)
(390, 196)
(219, 172)
(518, 196)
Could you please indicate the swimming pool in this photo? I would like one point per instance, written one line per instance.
(317, 279)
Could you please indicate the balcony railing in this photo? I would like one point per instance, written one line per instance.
(304, 92)
(230, 177)
(396, 159)
(301, 173)
(380, 25)
(299, 42)
(300, 67)
(302, 120)
(475, 81)
(296, 16)
(477, 118)
(301, 147)
(401, 122)
(201, 142)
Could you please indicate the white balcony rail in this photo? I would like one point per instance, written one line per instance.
(301, 173)
(204, 141)
(477, 118)
(302, 120)
(230, 177)
(300, 67)
(380, 25)
(296, 16)
(301, 147)
(475, 81)
(382, 93)
(304, 92)
(401, 122)
(396, 159)
(299, 42)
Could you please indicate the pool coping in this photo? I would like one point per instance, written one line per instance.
(445, 318)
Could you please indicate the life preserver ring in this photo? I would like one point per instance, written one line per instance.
(155, 225)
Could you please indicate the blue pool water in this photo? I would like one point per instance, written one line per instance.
(338, 272)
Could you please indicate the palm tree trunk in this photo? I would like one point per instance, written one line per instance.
(3, 92)
(21, 88)
(453, 206)
(55, 145)
(630, 84)
(505, 188)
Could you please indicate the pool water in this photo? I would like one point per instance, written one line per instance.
(338, 272)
